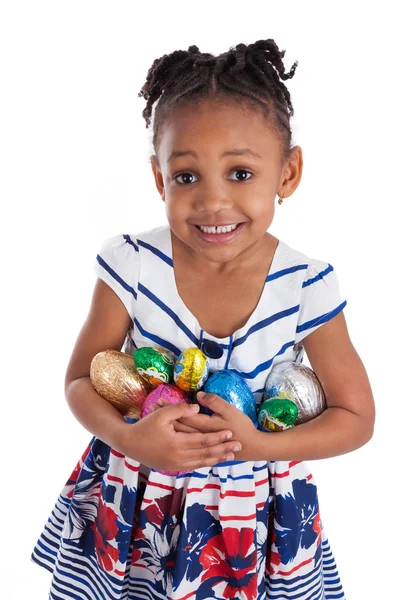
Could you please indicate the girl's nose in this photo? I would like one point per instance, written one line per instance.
(212, 201)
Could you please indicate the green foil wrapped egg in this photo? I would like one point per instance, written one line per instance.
(277, 414)
(191, 369)
(154, 365)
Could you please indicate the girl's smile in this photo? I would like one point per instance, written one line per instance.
(219, 234)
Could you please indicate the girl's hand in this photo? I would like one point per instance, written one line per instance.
(177, 424)
(154, 442)
(227, 416)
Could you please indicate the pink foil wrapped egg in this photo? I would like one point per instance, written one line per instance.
(173, 394)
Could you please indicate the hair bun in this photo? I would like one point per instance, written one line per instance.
(268, 51)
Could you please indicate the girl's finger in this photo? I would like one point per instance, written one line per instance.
(208, 456)
(205, 423)
(184, 428)
(197, 441)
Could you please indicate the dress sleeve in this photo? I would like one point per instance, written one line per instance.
(320, 298)
(117, 264)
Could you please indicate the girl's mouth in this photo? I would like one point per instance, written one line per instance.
(220, 234)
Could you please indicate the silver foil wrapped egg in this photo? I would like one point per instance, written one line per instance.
(300, 384)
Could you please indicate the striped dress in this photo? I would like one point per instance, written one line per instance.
(242, 530)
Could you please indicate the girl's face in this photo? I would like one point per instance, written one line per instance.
(216, 181)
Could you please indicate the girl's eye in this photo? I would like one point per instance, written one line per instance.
(191, 175)
(184, 175)
(242, 171)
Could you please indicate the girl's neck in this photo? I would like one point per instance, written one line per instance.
(248, 260)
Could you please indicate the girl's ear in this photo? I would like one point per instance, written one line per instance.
(292, 171)
(158, 178)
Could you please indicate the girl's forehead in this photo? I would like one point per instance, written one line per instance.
(226, 125)
(214, 110)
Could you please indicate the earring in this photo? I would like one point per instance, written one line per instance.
(280, 200)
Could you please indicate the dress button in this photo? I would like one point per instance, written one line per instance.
(212, 349)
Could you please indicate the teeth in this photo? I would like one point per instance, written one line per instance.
(224, 229)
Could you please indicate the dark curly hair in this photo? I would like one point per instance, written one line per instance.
(248, 75)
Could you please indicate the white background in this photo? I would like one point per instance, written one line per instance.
(75, 170)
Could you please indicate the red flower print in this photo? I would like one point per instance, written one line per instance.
(228, 557)
(136, 555)
(317, 527)
(272, 558)
(105, 528)
(75, 473)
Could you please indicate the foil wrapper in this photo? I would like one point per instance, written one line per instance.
(277, 414)
(154, 365)
(191, 369)
(114, 376)
(232, 388)
(169, 392)
(173, 394)
(298, 383)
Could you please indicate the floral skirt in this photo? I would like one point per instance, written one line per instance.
(239, 530)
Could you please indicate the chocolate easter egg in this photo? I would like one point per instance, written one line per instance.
(298, 383)
(114, 376)
(154, 365)
(233, 388)
(191, 369)
(173, 394)
(277, 414)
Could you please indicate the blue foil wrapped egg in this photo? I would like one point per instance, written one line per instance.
(232, 388)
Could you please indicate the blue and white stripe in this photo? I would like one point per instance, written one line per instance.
(300, 295)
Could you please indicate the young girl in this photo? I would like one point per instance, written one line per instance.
(243, 520)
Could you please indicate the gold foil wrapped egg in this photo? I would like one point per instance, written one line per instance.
(191, 369)
(114, 376)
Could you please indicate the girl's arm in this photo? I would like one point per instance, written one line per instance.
(347, 423)
(105, 328)
(152, 440)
